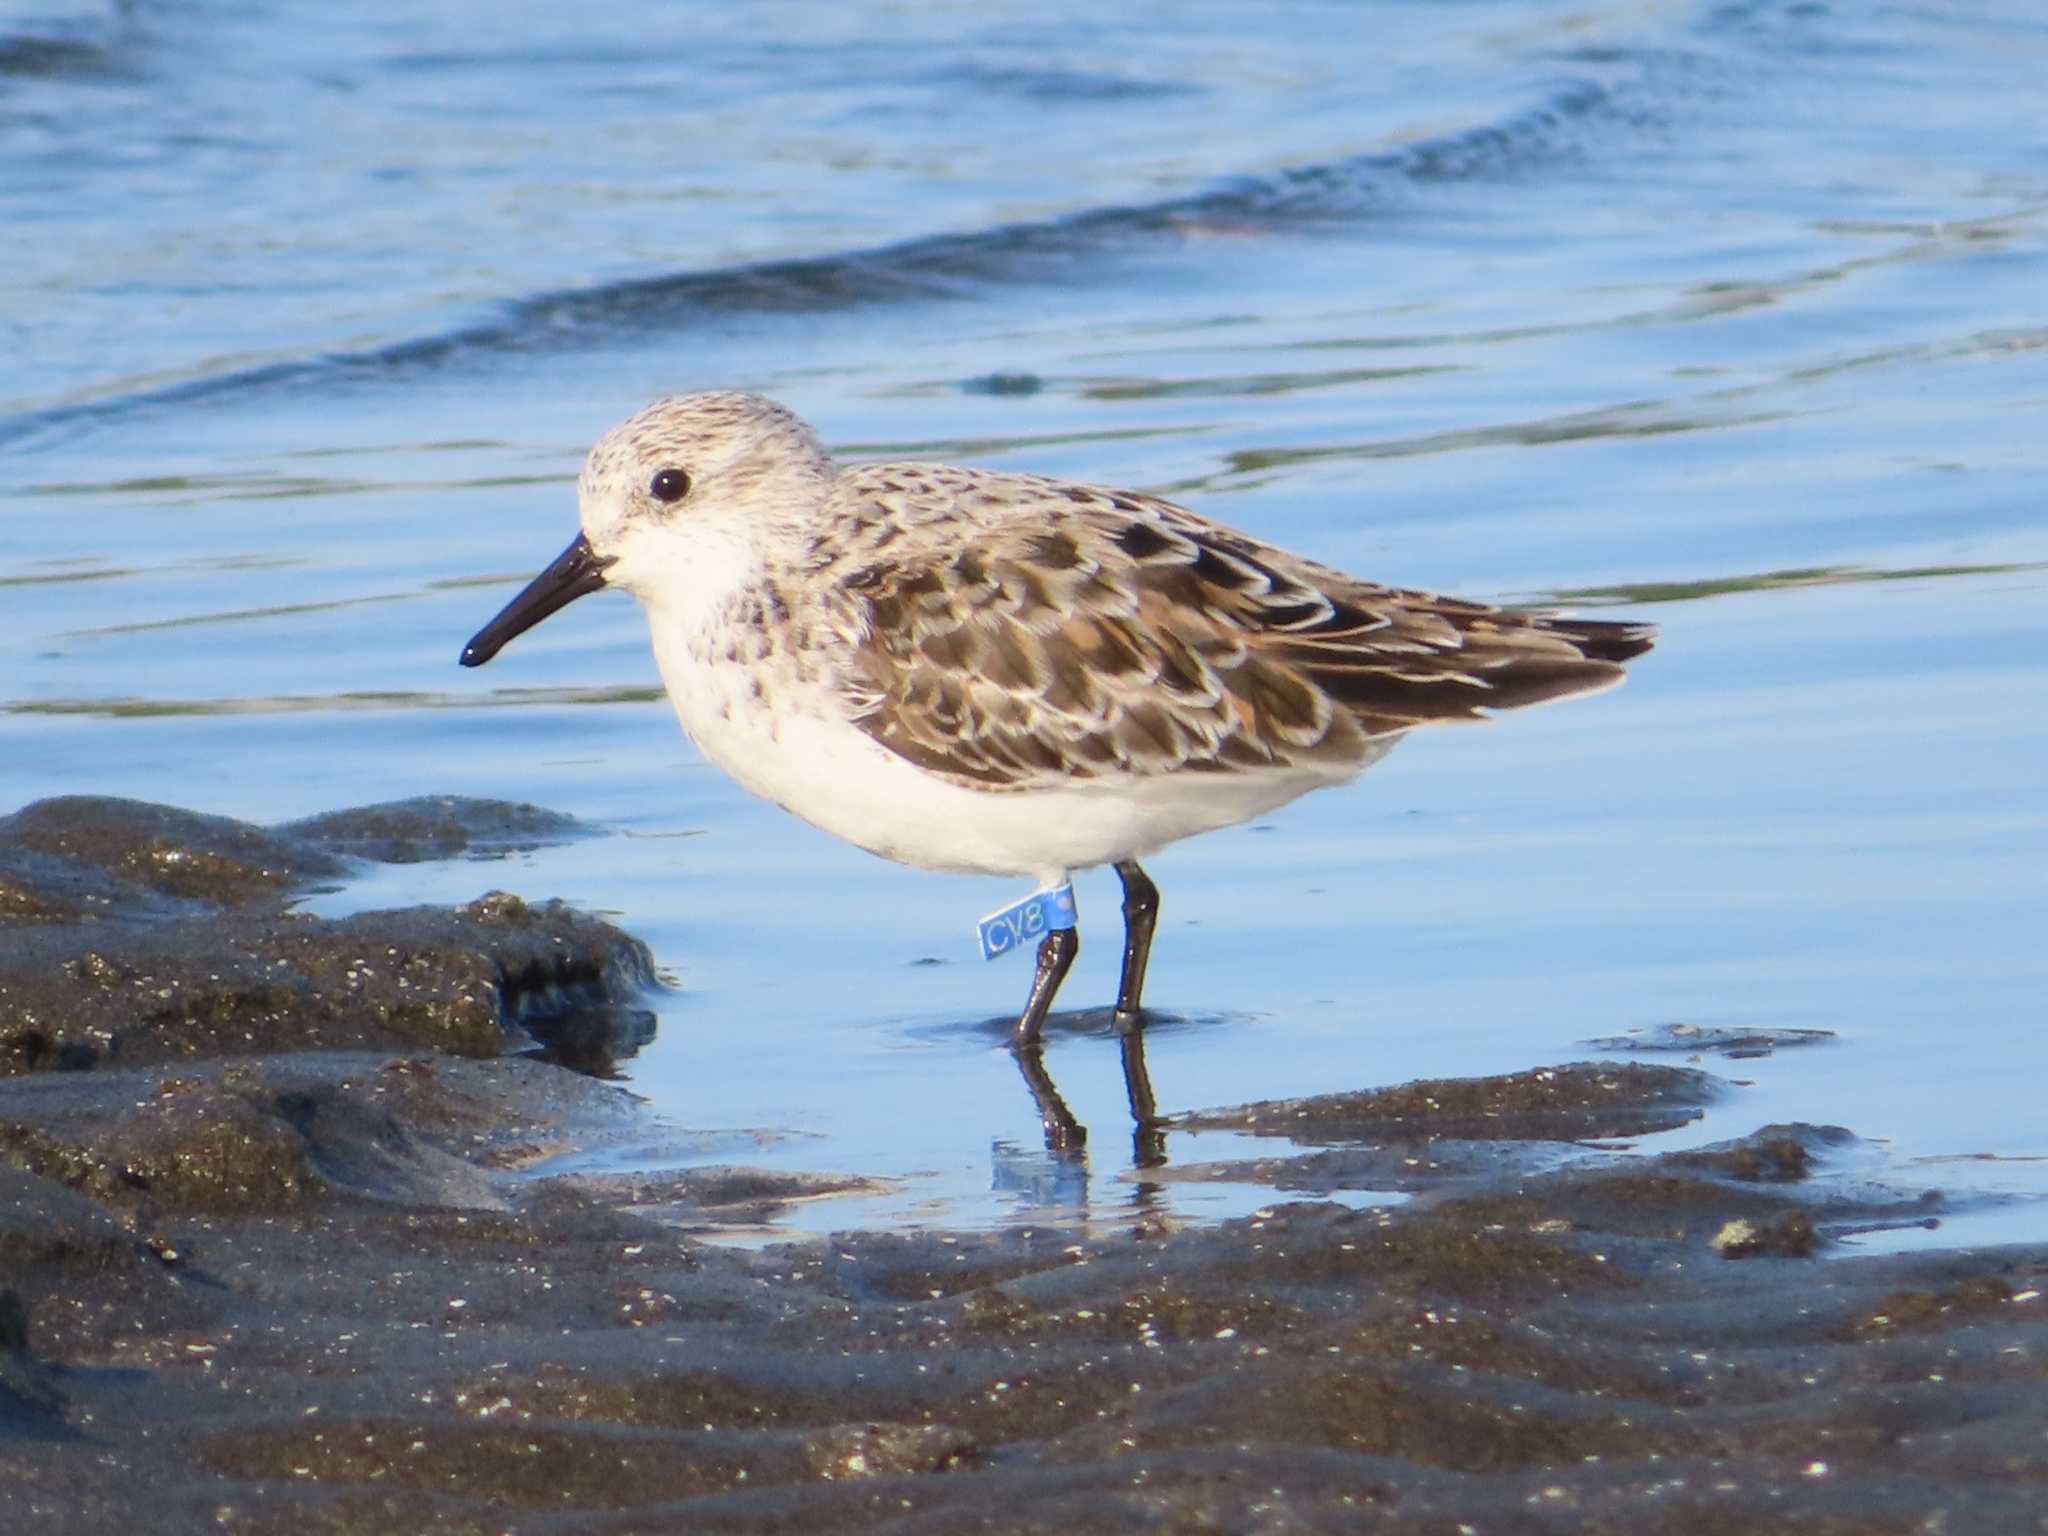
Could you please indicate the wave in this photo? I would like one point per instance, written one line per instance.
(1577, 117)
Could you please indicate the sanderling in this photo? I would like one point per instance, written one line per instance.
(1006, 674)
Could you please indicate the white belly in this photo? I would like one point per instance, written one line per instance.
(790, 746)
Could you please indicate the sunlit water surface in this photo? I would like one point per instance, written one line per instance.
(1729, 316)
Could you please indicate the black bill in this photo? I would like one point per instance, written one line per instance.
(576, 570)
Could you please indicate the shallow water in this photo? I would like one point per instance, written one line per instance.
(1732, 316)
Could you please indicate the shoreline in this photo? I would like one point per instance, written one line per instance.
(274, 1254)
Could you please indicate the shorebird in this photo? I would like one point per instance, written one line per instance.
(996, 673)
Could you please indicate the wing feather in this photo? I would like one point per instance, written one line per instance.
(1022, 631)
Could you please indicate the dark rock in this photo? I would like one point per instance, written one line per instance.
(165, 851)
(1587, 1101)
(434, 827)
(459, 981)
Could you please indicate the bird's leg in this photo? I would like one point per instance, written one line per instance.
(1141, 916)
(1063, 1133)
(1055, 958)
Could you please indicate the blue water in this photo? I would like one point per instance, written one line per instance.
(1734, 317)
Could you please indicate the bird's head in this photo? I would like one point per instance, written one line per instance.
(693, 487)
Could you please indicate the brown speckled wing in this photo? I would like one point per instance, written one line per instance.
(1013, 632)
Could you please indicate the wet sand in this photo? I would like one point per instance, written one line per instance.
(279, 1251)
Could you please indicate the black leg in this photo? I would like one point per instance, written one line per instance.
(1141, 916)
(1055, 959)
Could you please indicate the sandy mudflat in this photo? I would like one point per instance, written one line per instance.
(273, 1257)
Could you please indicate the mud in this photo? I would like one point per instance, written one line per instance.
(290, 1260)
(134, 934)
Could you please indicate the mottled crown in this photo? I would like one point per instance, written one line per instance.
(709, 435)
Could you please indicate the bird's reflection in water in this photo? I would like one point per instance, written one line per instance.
(1064, 1173)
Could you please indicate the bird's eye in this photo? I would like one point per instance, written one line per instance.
(670, 485)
